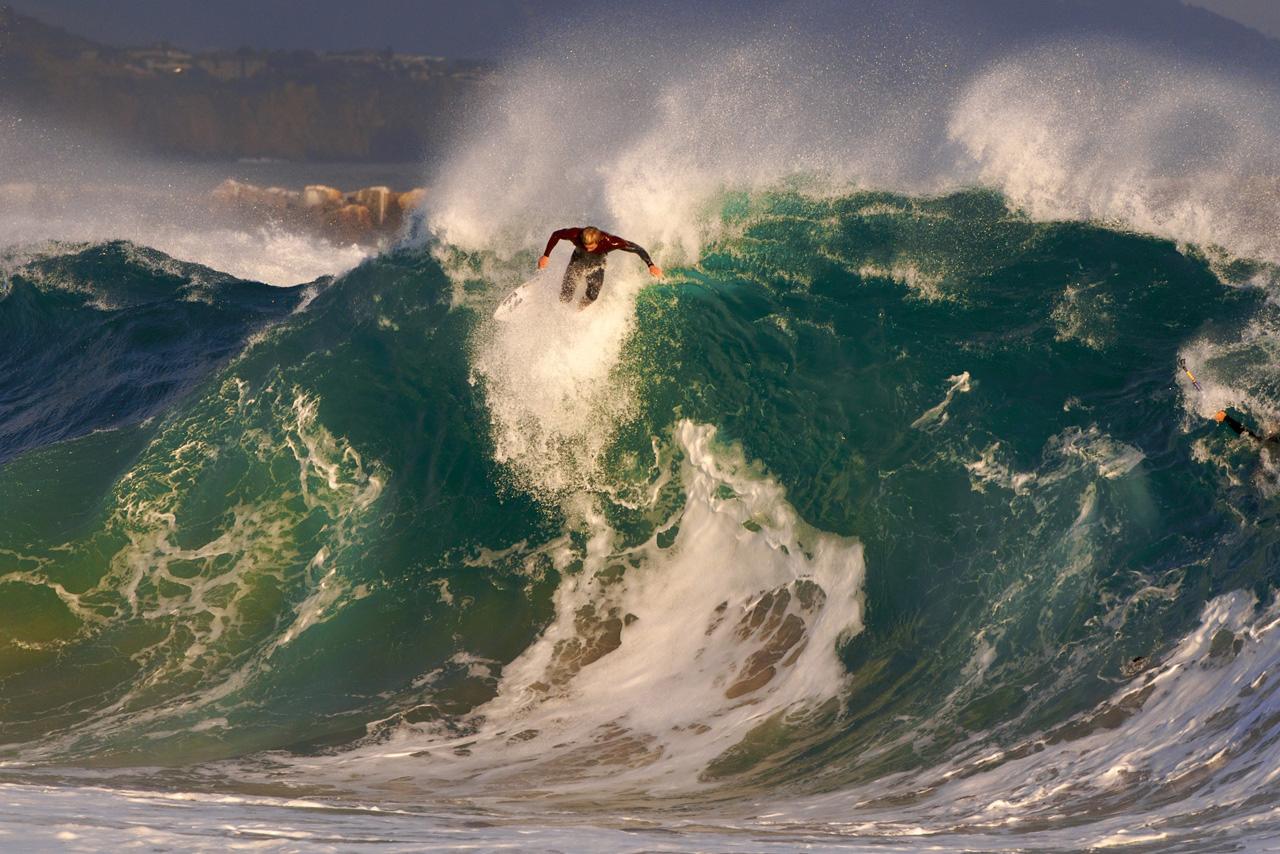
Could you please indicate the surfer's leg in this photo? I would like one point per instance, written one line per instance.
(572, 275)
(595, 280)
(569, 285)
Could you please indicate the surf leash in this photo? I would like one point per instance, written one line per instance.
(1182, 363)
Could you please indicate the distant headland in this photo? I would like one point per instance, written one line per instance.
(359, 106)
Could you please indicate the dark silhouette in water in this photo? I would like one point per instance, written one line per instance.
(1223, 418)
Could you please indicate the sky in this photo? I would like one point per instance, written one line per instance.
(484, 29)
(1262, 15)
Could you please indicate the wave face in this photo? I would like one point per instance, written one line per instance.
(104, 336)
(888, 514)
(891, 513)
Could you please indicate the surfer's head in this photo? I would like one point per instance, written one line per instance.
(591, 238)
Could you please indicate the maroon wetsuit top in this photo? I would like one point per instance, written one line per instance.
(608, 243)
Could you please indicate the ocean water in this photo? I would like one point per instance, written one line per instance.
(885, 521)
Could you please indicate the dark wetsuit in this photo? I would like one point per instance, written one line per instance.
(589, 266)
(1242, 430)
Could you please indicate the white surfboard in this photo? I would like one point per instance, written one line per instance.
(506, 309)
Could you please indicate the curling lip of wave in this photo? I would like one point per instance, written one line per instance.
(287, 484)
(1177, 148)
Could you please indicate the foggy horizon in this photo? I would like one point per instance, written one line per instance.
(486, 29)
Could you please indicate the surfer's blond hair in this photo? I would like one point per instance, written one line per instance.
(591, 234)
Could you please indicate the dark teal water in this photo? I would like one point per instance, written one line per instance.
(344, 523)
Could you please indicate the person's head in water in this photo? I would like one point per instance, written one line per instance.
(591, 238)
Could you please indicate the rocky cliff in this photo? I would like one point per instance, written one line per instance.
(295, 105)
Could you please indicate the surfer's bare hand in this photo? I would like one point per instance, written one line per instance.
(655, 271)
(543, 261)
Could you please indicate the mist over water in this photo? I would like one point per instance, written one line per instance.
(887, 519)
(1115, 133)
(1092, 122)
(60, 184)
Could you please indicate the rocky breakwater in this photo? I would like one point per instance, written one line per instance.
(368, 216)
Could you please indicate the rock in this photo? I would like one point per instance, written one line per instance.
(412, 199)
(229, 191)
(368, 215)
(237, 194)
(319, 196)
(381, 203)
(280, 199)
(351, 222)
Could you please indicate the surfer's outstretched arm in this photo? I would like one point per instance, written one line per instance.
(570, 234)
(637, 249)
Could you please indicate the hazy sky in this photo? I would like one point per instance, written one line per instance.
(1262, 15)
(475, 28)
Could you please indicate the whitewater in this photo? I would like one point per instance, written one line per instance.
(885, 521)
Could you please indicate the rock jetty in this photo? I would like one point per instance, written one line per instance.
(369, 215)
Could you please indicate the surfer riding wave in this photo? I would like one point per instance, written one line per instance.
(590, 248)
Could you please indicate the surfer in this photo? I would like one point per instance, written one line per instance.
(590, 246)
(1223, 418)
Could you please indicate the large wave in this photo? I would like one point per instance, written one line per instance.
(887, 514)
(813, 525)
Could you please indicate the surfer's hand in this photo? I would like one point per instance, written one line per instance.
(543, 261)
(655, 271)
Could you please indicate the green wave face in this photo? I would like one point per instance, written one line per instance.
(259, 565)
(875, 478)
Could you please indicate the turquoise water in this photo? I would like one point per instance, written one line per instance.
(889, 515)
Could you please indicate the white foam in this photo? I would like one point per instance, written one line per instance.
(1109, 458)
(645, 143)
(1235, 373)
(1112, 132)
(936, 416)
(735, 622)
(1084, 315)
(642, 145)
(924, 285)
(271, 255)
(214, 648)
(1150, 755)
(550, 384)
